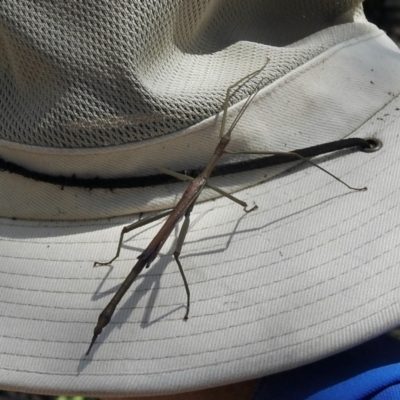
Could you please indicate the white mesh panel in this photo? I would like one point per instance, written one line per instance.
(100, 73)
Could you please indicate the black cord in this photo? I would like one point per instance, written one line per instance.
(161, 179)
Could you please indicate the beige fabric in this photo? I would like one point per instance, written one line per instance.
(312, 272)
(82, 93)
(95, 73)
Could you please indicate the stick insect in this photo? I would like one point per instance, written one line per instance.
(183, 209)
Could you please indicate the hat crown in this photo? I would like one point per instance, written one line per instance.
(102, 75)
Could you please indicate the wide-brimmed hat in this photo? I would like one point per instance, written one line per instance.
(94, 95)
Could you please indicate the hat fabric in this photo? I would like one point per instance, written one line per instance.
(310, 273)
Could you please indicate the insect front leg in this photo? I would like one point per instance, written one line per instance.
(294, 155)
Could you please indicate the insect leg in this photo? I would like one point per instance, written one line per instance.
(300, 157)
(129, 228)
(218, 190)
(177, 252)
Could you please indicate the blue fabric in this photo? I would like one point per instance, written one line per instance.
(370, 371)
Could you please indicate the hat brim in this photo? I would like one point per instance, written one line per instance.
(312, 272)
